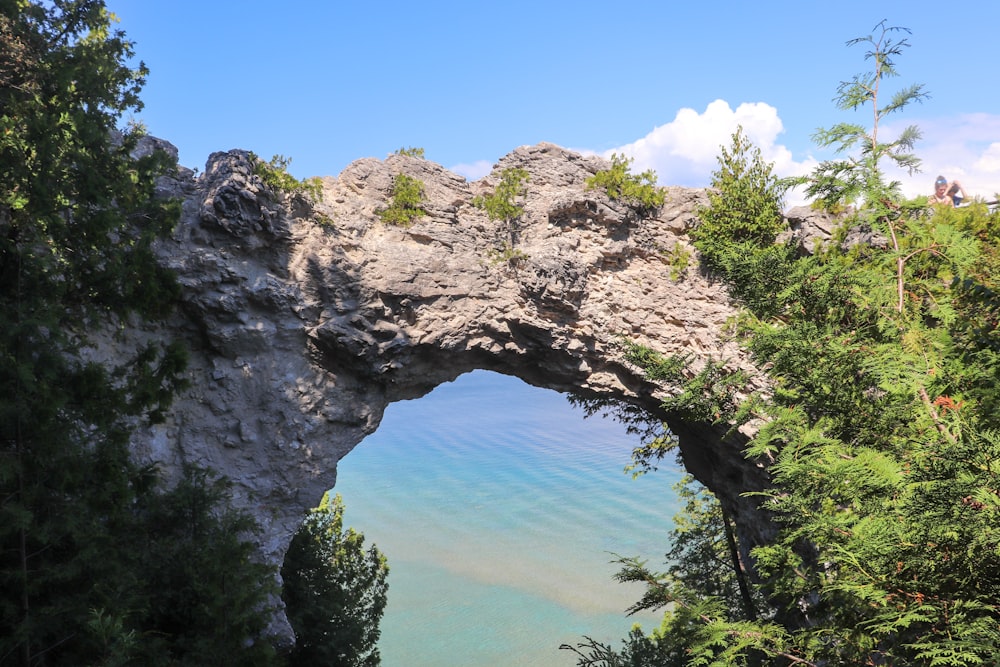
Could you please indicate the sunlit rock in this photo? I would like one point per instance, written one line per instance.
(306, 319)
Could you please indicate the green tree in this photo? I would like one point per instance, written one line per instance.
(78, 216)
(275, 174)
(739, 225)
(704, 553)
(335, 590)
(502, 205)
(69, 190)
(407, 201)
(858, 176)
(204, 595)
(638, 191)
(882, 439)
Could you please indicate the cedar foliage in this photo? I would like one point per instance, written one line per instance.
(100, 562)
(335, 591)
(881, 434)
(737, 230)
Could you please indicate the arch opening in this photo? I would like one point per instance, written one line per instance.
(499, 508)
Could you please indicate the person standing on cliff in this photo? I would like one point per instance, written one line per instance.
(947, 193)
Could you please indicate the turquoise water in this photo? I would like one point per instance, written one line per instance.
(498, 507)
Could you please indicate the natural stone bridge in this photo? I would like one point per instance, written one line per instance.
(305, 320)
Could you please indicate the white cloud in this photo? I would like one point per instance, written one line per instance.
(473, 171)
(685, 150)
(989, 161)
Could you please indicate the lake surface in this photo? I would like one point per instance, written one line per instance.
(499, 506)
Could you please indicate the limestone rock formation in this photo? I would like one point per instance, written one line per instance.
(809, 228)
(307, 318)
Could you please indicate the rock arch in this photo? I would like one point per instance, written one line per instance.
(306, 320)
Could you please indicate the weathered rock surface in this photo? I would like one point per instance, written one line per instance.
(305, 320)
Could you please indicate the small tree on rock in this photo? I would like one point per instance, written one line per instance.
(502, 206)
(638, 191)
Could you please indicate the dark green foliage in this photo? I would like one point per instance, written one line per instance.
(77, 219)
(881, 434)
(98, 564)
(744, 202)
(708, 395)
(335, 591)
(703, 554)
(68, 187)
(667, 649)
(638, 191)
(275, 174)
(502, 205)
(201, 595)
(407, 201)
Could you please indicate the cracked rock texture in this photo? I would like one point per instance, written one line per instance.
(305, 319)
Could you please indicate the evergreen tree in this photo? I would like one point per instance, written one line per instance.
(737, 229)
(881, 435)
(84, 531)
(335, 591)
(857, 178)
(638, 191)
(501, 205)
(204, 597)
(69, 191)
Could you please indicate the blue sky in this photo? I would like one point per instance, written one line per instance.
(325, 83)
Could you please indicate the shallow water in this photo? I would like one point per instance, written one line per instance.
(499, 507)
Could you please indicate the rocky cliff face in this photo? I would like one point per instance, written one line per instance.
(305, 320)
